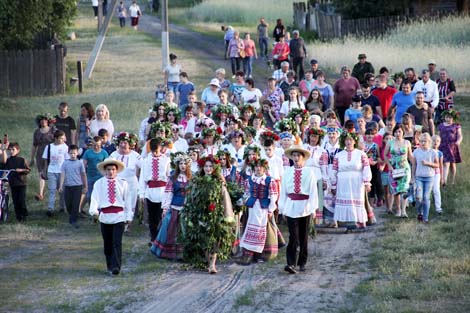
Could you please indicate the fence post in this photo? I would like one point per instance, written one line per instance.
(4, 88)
(80, 76)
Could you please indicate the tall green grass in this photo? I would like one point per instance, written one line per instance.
(446, 41)
(242, 11)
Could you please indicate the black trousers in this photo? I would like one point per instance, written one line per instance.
(298, 237)
(155, 216)
(377, 188)
(72, 197)
(298, 67)
(18, 194)
(112, 240)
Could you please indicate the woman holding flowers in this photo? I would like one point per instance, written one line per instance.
(207, 217)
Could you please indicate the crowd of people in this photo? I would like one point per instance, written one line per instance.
(214, 177)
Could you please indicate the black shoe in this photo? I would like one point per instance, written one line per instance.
(302, 268)
(115, 271)
(290, 269)
(49, 213)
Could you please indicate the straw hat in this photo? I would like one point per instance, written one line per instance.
(109, 161)
(297, 148)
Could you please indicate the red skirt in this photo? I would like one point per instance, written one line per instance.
(134, 21)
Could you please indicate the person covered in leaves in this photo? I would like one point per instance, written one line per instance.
(207, 217)
(167, 244)
(259, 241)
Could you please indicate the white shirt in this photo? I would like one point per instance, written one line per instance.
(287, 106)
(99, 200)
(276, 167)
(133, 9)
(142, 128)
(59, 153)
(132, 162)
(153, 194)
(234, 154)
(180, 145)
(307, 186)
(252, 97)
(430, 90)
(96, 125)
(318, 160)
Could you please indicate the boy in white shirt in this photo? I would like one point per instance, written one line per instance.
(55, 154)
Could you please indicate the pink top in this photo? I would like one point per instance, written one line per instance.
(249, 47)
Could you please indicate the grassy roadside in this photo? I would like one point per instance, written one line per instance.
(423, 268)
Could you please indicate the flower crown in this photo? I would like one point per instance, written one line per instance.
(164, 104)
(178, 157)
(47, 116)
(249, 148)
(348, 134)
(218, 110)
(303, 113)
(125, 136)
(175, 111)
(286, 125)
(247, 107)
(236, 133)
(160, 126)
(210, 132)
(454, 114)
(258, 162)
(250, 131)
(210, 158)
(205, 121)
(269, 135)
(316, 131)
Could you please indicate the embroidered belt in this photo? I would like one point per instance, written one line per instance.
(296, 196)
(112, 209)
(156, 183)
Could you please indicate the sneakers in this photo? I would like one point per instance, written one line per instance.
(115, 271)
(420, 217)
(439, 212)
(290, 269)
(302, 268)
(49, 213)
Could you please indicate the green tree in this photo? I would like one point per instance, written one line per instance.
(26, 24)
(368, 8)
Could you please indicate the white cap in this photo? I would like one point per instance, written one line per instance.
(214, 82)
(432, 62)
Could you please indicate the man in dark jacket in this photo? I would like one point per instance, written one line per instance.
(362, 68)
(298, 53)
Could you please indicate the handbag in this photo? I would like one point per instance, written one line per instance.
(398, 173)
(242, 54)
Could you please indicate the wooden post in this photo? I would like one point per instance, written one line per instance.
(99, 41)
(100, 14)
(80, 76)
(165, 37)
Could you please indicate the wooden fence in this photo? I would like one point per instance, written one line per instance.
(32, 72)
(329, 25)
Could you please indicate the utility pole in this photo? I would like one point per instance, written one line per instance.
(165, 38)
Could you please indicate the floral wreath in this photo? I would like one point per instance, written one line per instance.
(286, 125)
(175, 111)
(125, 136)
(454, 114)
(210, 132)
(210, 158)
(247, 107)
(316, 131)
(303, 113)
(217, 112)
(224, 154)
(167, 142)
(269, 135)
(205, 121)
(195, 142)
(47, 116)
(236, 133)
(160, 126)
(258, 162)
(249, 148)
(348, 134)
(166, 105)
(178, 157)
(250, 131)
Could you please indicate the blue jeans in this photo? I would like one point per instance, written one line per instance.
(247, 66)
(263, 47)
(172, 86)
(423, 196)
(53, 185)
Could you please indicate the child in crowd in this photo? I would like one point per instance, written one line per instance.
(194, 155)
(373, 153)
(73, 183)
(16, 179)
(438, 177)
(106, 142)
(55, 154)
(383, 167)
(354, 111)
(111, 204)
(184, 88)
(424, 162)
(160, 94)
(91, 158)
